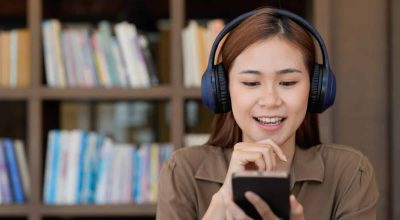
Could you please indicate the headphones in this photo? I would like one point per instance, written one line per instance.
(215, 85)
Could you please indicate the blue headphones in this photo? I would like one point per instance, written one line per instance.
(214, 83)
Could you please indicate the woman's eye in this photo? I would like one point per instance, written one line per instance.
(288, 83)
(251, 83)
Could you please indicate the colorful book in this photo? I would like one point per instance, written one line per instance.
(5, 188)
(23, 166)
(13, 171)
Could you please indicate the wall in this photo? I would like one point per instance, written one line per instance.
(394, 39)
(357, 34)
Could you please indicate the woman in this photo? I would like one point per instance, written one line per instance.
(269, 60)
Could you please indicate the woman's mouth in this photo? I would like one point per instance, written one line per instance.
(270, 123)
(269, 120)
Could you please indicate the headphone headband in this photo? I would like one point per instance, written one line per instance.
(277, 12)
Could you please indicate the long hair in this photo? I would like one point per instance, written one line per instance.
(262, 25)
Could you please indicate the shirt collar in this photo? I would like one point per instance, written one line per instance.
(307, 165)
(215, 165)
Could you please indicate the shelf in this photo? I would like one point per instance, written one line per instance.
(14, 94)
(99, 210)
(192, 93)
(14, 210)
(159, 92)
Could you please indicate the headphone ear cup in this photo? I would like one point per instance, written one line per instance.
(208, 93)
(222, 90)
(323, 89)
(314, 99)
(215, 90)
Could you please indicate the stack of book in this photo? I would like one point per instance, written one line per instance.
(80, 56)
(14, 58)
(88, 168)
(14, 175)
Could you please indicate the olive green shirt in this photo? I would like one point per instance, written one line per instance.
(330, 181)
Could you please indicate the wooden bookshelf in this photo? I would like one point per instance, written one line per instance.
(14, 210)
(14, 94)
(37, 93)
(153, 93)
(99, 210)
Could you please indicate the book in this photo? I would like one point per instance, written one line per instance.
(120, 65)
(49, 173)
(5, 58)
(72, 166)
(71, 70)
(5, 187)
(23, 166)
(49, 57)
(105, 35)
(100, 60)
(24, 61)
(13, 171)
(57, 52)
(13, 58)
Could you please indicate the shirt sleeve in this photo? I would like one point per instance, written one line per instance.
(175, 197)
(360, 196)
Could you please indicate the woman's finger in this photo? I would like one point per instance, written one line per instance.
(228, 215)
(266, 151)
(273, 160)
(296, 209)
(275, 148)
(261, 206)
(233, 211)
(244, 157)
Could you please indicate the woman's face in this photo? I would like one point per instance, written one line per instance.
(269, 86)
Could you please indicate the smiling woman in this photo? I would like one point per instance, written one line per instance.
(269, 85)
(268, 90)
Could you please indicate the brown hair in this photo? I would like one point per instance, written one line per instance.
(264, 24)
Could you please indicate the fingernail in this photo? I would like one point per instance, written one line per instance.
(248, 195)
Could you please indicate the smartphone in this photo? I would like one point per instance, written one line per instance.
(272, 187)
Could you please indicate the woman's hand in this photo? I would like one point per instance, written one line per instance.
(233, 211)
(263, 155)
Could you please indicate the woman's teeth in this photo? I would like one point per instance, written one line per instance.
(275, 120)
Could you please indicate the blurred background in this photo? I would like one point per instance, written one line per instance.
(41, 90)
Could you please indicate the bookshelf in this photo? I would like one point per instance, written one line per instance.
(38, 100)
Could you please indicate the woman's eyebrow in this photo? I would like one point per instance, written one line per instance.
(282, 71)
(288, 70)
(250, 72)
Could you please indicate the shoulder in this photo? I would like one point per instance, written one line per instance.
(344, 165)
(343, 156)
(352, 176)
(192, 157)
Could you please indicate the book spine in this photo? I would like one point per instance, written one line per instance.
(68, 57)
(23, 166)
(13, 169)
(106, 41)
(6, 195)
(51, 78)
(81, 173)
(13, 58)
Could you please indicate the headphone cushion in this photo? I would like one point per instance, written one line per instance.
(208, 93)
(314, 99)
(222, 89)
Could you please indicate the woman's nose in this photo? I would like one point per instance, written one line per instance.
(269, 98)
